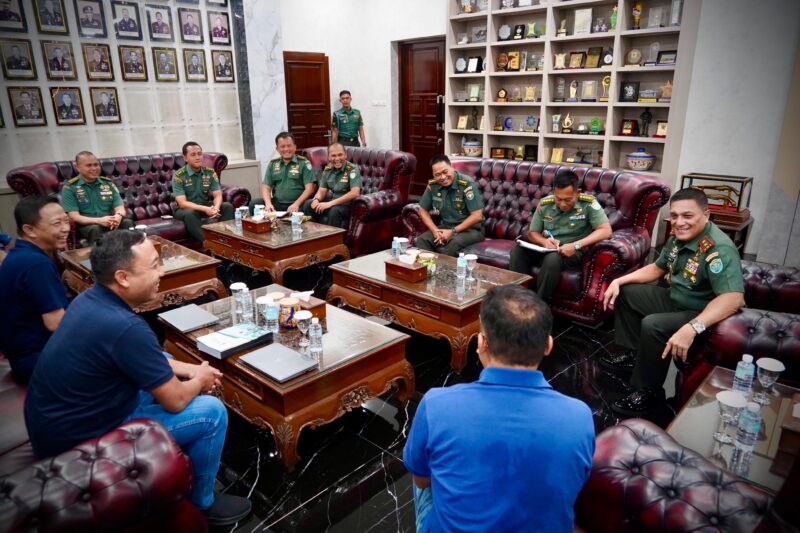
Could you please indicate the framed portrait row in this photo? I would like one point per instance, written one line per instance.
(60, 65)
(126, 19)
(27, 106)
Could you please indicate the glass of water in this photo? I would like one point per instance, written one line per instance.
(472, 262)
(769, 370)
(303, 320)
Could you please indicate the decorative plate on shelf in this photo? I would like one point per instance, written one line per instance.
(504, 33)
(461, 65)
(633, 57)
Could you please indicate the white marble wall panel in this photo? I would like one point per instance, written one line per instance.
(34, 146)
(170, 107)
(141, 108)
(174, 138)
(205, 136)
(226, 105)
(113, 143)
(197, 104)
(230, 141)
(78, 138)
(146, 140)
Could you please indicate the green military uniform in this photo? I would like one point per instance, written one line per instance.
(646, 316)
(287, 181)
(567, 227)
(454, 204)
(96, 199)
(338, 182)
(347, 124)
(197, 187)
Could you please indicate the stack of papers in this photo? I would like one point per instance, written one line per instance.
(226, 342)
(534, 247)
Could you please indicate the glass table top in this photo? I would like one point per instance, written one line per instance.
(695, 424)
(443, 285)
(280, 236)
(345, 335)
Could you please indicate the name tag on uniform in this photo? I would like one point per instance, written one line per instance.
(577, 217)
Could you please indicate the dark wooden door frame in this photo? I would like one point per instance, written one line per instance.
(290, 57)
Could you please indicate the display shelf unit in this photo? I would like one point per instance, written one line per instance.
(606, 149)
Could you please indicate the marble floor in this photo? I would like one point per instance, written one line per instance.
(350, 477)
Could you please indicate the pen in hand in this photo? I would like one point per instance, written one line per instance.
(551, 238)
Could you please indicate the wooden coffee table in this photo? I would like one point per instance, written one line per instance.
(436, 306)
(360, 360)
(278, 250)
(188, 274)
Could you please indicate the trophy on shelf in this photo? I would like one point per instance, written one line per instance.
(573, 91)
(498, 123)
(666, 93)
(646, 117)
(605, 83)
(530, 93)
(556, 123)
(560, 89)
(562, 29)
(612, 20)
(566, 124)
(637, 15)
(502, 95)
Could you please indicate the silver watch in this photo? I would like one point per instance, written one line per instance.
(577, 245)
(698, 326)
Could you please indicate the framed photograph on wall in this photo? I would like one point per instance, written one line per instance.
(26, 106)
(59, 61)
(91, 18)
(194, 64)
(133, 63)
(67, 106)
(12, 16)
(51, 16)
(105, 105)
(159, 22)
(219, 27)
(97, 59)
(218, 3)
(127, 24)
(17, 59)
(191, 21)
(166, 64)
(222, 61)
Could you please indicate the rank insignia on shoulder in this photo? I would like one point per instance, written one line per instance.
(705, 244)
(462, 182)
(586, 197)
(328, 167)
(73, 180)
(547, 200)
(431, 181)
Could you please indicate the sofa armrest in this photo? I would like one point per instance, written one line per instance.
(127, 475)
(412, 225)
(40, 179)
(238, 196)
(626, 250)
(642, 480)
(771, 287)
(376, 206)
(217, 161)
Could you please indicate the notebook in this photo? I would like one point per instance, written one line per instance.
(279, 362)
(188, 318)
(226, 342)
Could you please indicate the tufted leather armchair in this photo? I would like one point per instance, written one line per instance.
(375, 215)
(511, 192)
(133, 478)
(768, 327)
(642, 480)
(143, 182)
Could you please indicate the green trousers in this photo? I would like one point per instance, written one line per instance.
(93, 232)
(338, 215)
(279, 206)
(451, 247)
(644, 319)
(194, 220)
(550, 266)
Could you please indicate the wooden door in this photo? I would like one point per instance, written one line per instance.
(421, 90)
(308, 102)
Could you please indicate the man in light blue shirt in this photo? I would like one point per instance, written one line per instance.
(507, 452)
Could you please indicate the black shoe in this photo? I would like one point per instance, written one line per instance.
(639, 402)
(227, 510)
(619, 362)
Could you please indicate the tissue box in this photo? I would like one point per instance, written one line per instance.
(315, 305)
(413, 273)
(251, 225)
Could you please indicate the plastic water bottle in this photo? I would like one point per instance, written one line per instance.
(236, 291)
(395, 248)
(743, 378)
(273, 311)
(746, 437)
(461, 266)
(315, 339)
(237, 218)
(246, 305)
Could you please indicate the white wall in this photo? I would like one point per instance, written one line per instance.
(740, 81)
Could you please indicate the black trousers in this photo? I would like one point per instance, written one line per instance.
(550, 266)
(338, 215)
(279, 206)
(194, 220)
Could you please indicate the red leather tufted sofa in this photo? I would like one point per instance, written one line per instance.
(375, 215)
(133, 478)
(768, 327)
(642, 480)
(511, 192)
(143, 182)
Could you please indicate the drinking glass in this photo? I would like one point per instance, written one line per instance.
(303, 320)
(472, 262)
(729, 403)
(402, 244)
(768, 372)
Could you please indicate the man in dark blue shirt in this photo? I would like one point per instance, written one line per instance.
(505, 453)
(32, 297)
(104, 366)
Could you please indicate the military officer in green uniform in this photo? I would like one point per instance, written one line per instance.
(191, 186)
(93, 201)
(342, 181)
(289, 179)
(704, 273)
(456, 198)
(566, 221)
(347, 124)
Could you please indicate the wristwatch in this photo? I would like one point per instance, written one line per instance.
(577, 245)
(455, 231)
(698, 326)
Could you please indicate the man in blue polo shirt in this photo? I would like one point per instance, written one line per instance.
(505, 453)
(32, 297)
(104, 366)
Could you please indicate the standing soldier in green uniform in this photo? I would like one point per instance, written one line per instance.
(568, 222)
(342, 180)
(289, 179)
(704, 274)
(191, 186)
(347, 124)
(93, 201)
(457, 199)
